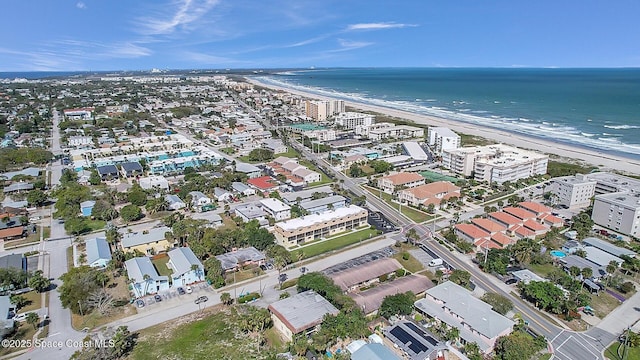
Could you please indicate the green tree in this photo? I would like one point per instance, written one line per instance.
(37, 197)
(226, 299)
(460, 277)
(102, 210)
(78, 285)
(94, 178)
(38, 282)
(19, 301)
(137, 196)
(77, 226)
(214, 272)
(33, 319)
(500, 304)
(472, 350)
(544, 294)
(260, 155)
(516, 346)
(412, 236)
(399, 304)
(123, 342)
(355, 171)
(130, 213)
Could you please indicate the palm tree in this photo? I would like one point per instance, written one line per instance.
(33, 319)
(586, 274)
(146, 279)
(611, 269)
(412, 235)
(574, 271)
(196, 269)
(225, 298)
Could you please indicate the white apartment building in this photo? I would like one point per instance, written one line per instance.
(607, 183)
(442, 138)
(495, 163)
(80, 141)
(573, 191)
(276, 209)
(383, 130)
(318, 226)
(619, 212)
(349, 120)
(320, 110)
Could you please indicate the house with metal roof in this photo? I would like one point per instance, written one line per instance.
(324, 204)
(13, 261)
(242, 257)
(374, 351)
(144, 277)
(98, 252)
(250, 212)
(242, 188)
(7, 312)
(251, 171)
(18, 187)
(457, 307)
(86, 207)
(151, 241)
(306, 195)
(187, 269)
(608, 247)
(108, 172)
(131, 169)
(301, 313)
(174, 202)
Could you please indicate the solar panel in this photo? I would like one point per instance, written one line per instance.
(416, 329)
(401, 335)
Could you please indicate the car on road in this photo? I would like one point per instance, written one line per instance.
(201, 299)
(511, 281)
(181, 291)
(34, 219)
(140, 303)
(189, 290)
(157, 298)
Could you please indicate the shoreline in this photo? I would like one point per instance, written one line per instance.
(602, 160)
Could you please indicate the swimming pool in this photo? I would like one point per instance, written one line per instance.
(557, 253)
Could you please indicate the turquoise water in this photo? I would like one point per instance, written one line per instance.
(557, 253)
(594, 108)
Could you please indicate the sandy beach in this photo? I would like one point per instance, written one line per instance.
(602, 160)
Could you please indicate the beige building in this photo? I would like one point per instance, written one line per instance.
(495, 163)
(391, 183)
(386, 130)
(300, 313)
(323, 109)
(148, 242)
(431, 193)
(318, 226)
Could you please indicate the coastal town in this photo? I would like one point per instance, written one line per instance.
(143, 208)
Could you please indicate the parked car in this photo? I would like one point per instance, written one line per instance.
(511, 281)
(201, 299)
(189, 290)
(34, 219)
(139, 303)
(181, 291)
(157, 298)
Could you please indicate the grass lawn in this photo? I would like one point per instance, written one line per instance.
(30, 239)
(243, 275)
(274, 339)
(542, 270)
(95, 225)
(160, 214)
(228, 150)
(413, 214)
(333, 244)
(24, 332)
(70, 257)
(211, 334)
(603, 304)
(291, 153)
(161, 266)
(35, 299)
(228, 221)
(612, 352)
(412, 265)
(544, 357)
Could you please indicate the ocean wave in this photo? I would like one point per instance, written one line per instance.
(622, 127)
(549, 130)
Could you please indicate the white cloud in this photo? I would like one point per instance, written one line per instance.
(378, 26)
(80, 5)
(180, 15)
(346, 45)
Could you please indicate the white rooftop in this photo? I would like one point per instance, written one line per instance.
(309, 220)
(275, 205)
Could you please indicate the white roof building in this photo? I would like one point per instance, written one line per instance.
(154, 181)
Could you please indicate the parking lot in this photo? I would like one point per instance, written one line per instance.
(372, 256)
(380, 222)
(172, 296)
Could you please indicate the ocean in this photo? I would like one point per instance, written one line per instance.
(594, 108)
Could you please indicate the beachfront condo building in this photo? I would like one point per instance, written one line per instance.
(495, 163)
(384, 130)
(619, 212)
(321, 110)
(442, 138)
(319, 226)
(573, 191)
(349, 120)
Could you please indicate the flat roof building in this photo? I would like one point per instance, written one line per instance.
(442, 138)
(573, 191)
(619, 212)
(359, 275)
(414, 150)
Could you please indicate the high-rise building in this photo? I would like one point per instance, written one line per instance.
(320, 110)
(349, 120)
(619, 212)
(442, 138)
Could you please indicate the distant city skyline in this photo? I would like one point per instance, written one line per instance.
(44, 35)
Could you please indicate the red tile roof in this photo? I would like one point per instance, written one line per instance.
(535, 207)
(263, 182)
(502, 239)
(472, 231)
(486, 244)
(11, 232)
(534, 225)
(402, 178)
(488, 225)
(550, 219)
(505, 218)
(523, 232)
(519, 213)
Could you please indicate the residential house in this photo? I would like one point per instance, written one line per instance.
(7, 312)
(239, 258)
(391, 183)
(131, 169)
(148, 242)
(263, 183)
(98, 252)
(300, 313)
(432, 193)
(242, 188)
(187, 269)
(457, 307)
(306, 175)
(608, 247)
(251, 171)
(306, 195)
(174, 202)
(222, 195)
(18, 187)
(276, 209)
(14, 262)
(144, 278)
(154, 182)
(86, 207)
(108, 172)
(250, 212)
(415, 340)
(12, 233)
(199, 200)
(275, 145)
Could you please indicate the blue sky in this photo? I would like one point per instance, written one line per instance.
(46, 35)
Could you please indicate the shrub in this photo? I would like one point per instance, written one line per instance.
(627, 287)
(405, 256)
(248, 297)
(383, 277)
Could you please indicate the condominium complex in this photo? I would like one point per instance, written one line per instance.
(317, 226)
(442, 138)
(495, 163)
(573, 191)
(432, 193)
(391, 183)
(323, 109)
(349, 120)
(383, 130)
(619, 212)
